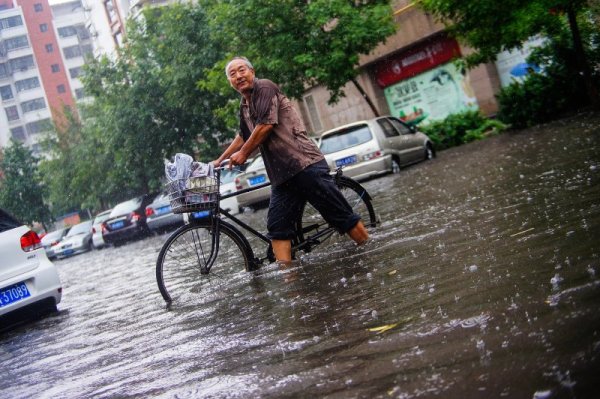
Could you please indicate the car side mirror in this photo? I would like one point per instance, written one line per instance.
(412, 128)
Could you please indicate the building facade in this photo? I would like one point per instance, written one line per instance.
(411, 76)
(42, 50)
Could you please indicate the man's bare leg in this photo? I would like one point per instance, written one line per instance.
(282, 249)
(359, 233)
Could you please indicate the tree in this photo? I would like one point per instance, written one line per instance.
(299, 43)
(22, 191)
(491, 26)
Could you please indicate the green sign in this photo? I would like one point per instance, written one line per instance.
(432, 95)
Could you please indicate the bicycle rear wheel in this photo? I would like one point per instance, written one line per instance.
(184, 254)
(313, 226)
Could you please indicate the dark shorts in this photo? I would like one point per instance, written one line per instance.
(315, 185)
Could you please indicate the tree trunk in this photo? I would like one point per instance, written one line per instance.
(583, 65)
(366, 97)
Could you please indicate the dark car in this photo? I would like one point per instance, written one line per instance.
(160, 216)
(127, 221)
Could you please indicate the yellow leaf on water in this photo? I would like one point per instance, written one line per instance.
(381, 329)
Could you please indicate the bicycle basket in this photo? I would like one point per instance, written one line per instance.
(193, 194)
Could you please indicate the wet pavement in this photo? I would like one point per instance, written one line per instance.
(481, 281)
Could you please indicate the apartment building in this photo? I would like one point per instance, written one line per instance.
(42, 50)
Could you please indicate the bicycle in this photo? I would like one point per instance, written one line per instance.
(211, 247)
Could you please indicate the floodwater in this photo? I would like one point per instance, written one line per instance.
(481, 281)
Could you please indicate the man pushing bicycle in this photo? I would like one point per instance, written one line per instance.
(295, 165)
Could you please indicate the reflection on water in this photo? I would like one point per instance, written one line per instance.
(482, 281)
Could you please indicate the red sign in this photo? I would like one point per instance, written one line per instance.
(414, 61)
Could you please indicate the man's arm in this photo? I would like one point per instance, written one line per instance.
(235, 145)
(259, 135)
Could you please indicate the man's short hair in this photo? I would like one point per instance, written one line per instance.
(239, 57)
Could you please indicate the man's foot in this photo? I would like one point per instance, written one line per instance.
(359, 233)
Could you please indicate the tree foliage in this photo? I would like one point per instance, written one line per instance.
(21, 188)
(298, 43)
(493, 26)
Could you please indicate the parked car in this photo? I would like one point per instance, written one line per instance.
(77, 240)
(97, 240)
(127, 221)
(27, 277)
(51, 240)
(254, 175)
(160, 216)
(374, 147)
(227, 187)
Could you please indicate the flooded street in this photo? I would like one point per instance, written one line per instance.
(482, 280)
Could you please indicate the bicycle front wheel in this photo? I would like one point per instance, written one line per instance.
(312, 225)
(185, 253)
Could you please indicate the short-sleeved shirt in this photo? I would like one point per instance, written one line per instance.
(287, 149)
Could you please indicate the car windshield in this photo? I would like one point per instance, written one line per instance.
(227, 176)
(53, 235)
(127, 206)
(81, 228)
(101, 217)
(258, 163)
(345, 138)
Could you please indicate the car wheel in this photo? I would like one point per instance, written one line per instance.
(429, 152)
(395, 166)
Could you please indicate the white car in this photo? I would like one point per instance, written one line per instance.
(52, 239)
(97, 240)
(254, 175)
(27, 277)
(227, 187)
(374, 147)
(77, 240)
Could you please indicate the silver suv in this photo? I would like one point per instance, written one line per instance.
(373, 147)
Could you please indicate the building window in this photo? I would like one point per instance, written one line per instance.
(18, 133)
(79, 94)
(49, 48)
(43, 125)
(3, 71)
(12, 113)
(16, 42)
(60, 88)
(72, 51)
(6, 92)
(22, 63)
(55, 68)
(75, 72)
(33, 105)
(37, 7)
(43, 27)
(110, 11)
(27, 84)
(10, 22)
(313, 113)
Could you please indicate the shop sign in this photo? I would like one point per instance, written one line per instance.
(432, 95)
(412, 62)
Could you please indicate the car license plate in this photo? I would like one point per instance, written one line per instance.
(13, 293)
(346, 161)
(253, 181)
(117, 225)
(163, 209)
(68, 251)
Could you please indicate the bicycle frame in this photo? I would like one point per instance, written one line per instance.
(216, 219)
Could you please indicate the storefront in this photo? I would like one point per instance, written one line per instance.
(423, 84)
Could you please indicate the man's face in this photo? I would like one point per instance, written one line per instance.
(240, 76)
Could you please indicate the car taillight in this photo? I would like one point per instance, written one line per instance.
(149, 211)
(238, 183)
(93, 230)
(30, 241)
(372, 155)
(135, 216)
